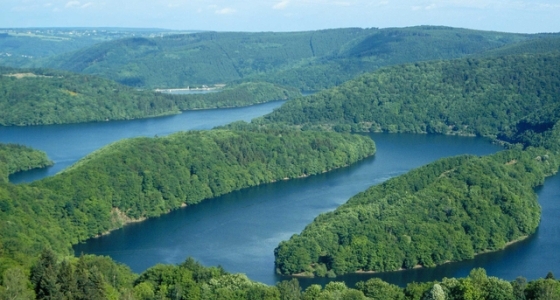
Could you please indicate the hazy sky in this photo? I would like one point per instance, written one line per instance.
(528, 16)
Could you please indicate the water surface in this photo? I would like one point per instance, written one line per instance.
(239, 231)
(531, 258)
(66, 144)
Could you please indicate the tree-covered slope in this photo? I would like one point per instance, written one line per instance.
(27, 47)
(543, 44)
(244, 94)
(43, 97)
(309, 60)
(15, 158)
(146, 177)
(391, 46)
(466, 96)
(446, 211)
(202, 58)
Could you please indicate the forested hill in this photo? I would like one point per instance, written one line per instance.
(465, 96)
(449, 210)
(307, 60)
(23, 47)
(146, 177)
(202, 58)
(544, 44)
(15, 158)
(42, 97)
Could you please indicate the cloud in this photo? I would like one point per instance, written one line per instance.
(225, 11)
(87, 5)
(70, 4)
(281, 5)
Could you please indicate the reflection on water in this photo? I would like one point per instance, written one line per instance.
(66, 144)
(239, 231)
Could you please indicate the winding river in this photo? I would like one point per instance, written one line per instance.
(239, 231)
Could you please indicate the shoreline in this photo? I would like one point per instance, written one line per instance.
(362, 272)
(122, 219)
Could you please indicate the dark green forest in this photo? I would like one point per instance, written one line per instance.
(44, 97)
(467, 96)
(16, 158)
(244, 94)
(544, 44)
(448, 210)
(146, 177)
(310, 60)
(97, 277)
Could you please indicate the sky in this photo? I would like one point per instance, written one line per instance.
(523, 16)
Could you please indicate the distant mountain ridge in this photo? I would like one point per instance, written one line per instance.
(310, 60)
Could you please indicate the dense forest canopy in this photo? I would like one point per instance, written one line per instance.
(448, 210)
(44, 97)
(544, 44)
(467, 96)
(244, 94)
(16, 158)
(97, 277)
(146, 177)
(310, 60)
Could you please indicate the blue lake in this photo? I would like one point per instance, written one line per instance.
(66, 144)
(239, 231)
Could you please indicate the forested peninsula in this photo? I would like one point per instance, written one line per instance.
(146, 177)
(16, 158)
(448, 210)
(44, 97)
(467, 96)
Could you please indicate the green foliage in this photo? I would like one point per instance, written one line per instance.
(16, 158)
(468, 96)
(146, 177)
(540, 129)
(202, 58)
(448, 210)
(378, 289)
(545, 43)
(543, 289)
(15, 285)
(25, 47)
(310, 60)
(42, 97)
(244, 94)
